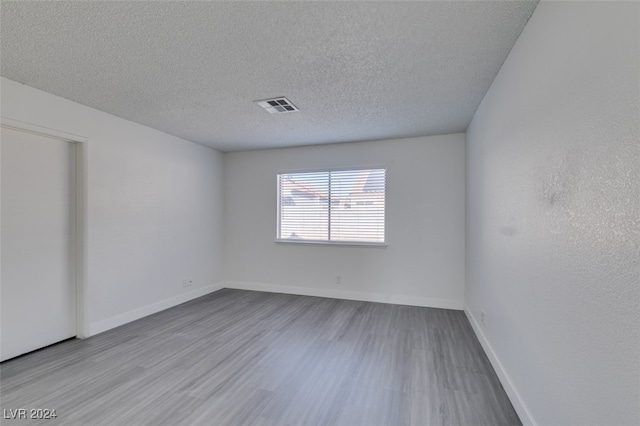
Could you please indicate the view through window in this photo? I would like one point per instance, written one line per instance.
(332, 206)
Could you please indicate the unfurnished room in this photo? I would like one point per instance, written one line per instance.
(297, 213)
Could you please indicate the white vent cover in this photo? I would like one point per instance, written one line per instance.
(277, 105)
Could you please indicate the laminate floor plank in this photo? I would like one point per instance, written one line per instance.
(239, 357)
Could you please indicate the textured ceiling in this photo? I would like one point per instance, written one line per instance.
(356, 70)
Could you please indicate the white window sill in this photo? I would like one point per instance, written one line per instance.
(331, 243)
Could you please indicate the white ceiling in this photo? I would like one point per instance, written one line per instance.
(356, 70)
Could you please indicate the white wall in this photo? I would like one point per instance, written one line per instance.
(424, 261)
(154, 208)
(553, 216)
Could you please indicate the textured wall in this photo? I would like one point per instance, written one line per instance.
(424, 261)
(553, 214)
(154, 205)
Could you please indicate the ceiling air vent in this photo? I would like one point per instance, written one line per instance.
(277, 105)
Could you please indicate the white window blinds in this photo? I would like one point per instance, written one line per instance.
(332, 206)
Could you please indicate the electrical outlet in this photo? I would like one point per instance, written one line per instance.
(187, 282)
(483, 318)
(338, 280)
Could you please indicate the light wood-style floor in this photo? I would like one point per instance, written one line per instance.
(250, 358)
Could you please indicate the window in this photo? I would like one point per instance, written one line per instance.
(332, 206)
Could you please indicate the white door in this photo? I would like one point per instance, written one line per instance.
(37, 226)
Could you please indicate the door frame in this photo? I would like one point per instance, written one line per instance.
(80, 145)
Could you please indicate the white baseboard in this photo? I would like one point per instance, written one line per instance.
(514, 396)
(349, 295)
(124, 318)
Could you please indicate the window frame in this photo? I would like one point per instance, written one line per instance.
(330, 242)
